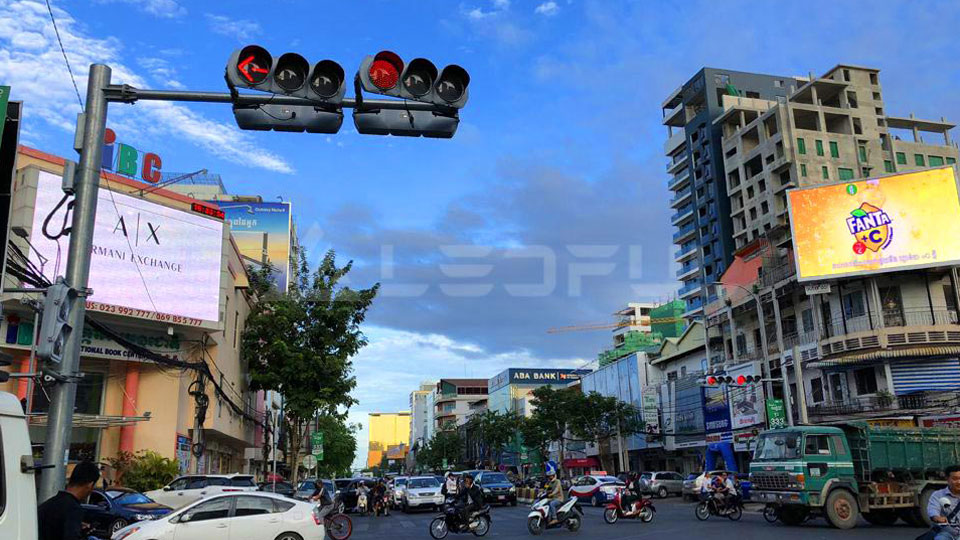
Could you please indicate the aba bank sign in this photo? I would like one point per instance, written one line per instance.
(531, 375)
(126, 160)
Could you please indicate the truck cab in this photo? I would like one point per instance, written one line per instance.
(18, 496)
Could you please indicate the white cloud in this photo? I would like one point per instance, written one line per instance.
(240, 29)
(547, 8)
(38, 75)
(399, 361)
(161, 72)
(168, 9)
(501, 4)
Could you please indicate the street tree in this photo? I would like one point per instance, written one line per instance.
(339, 446)
(554, 410)
(300, 342)
(497, 431)
(600, 419)
(444, 448)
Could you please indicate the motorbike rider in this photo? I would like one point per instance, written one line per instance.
(555, 493)
(378, 493)
(321, 496)
(469, 500)
(449, 488)
(634, 493)
(723, 489)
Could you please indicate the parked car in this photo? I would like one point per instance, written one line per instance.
(421, 492)
(114, 508)
(309, 485)
(241, 515)
(349, 494)
(596, 489)
(396, 490)
(280, 488)
(497, 489)
(185, 490)
(690, 487)
(663, 483)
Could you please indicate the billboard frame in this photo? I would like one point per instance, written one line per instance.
(862, 273)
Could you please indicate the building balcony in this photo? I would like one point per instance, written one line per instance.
(674, 166)
(688, 270)
(681, 197)
(878, 405)
(675, 141)
(689, 289)
(686, 252)
(685, 233)
(682, 215)
(902, 330)
(678, 182)
(694, 309)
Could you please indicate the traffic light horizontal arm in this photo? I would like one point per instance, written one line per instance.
(122, 93)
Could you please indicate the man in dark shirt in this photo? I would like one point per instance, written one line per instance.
(61, 516)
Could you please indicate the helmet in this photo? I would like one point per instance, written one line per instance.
(551, 473)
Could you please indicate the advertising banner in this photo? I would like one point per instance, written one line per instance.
(897, 222)
(776, 414)
(183, 453)
(946, 421)
(650, 404)
(687, 410)
(746, 402)
(716, 414)
(148, 261)
(262, 232)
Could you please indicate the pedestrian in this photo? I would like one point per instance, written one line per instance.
(61, 517)
(944, 507)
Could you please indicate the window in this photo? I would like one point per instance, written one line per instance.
(865, 172)
(282, 506)
(764, 207)
(951, 299)
(179, 483)
(253, 506)
(817, 445)
(834, 149)
(236, 328)
(803, 170)
(935, 161)
(845, 174)
(862, 152)
(918, 159)
(901, 158)
(218, 481)
(762, 185)
(215, 509)
(778, 83)
(97, 499)
(853, 305)
(741, 344)
(757, 340)
(873, 79)
(888, 165)
(866, 380)
(801, 146)
(816, 390)
(819, 145)
(951, 161)
(683, 371)
(839, 449)
(825, 172)
(242, 481)
(806, 318)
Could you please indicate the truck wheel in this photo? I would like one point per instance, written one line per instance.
(792, 516)
(883, 518)
(841, 509)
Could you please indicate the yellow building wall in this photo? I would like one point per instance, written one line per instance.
(385, 429)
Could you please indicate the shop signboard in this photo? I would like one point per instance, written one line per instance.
(746, 402)
(183, 453)
(776, 414)
(886, 224)
(650, 400)
(946, 420)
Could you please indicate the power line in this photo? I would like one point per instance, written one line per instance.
(64, 52)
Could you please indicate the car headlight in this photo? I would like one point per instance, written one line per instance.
(123, 533)
(486, 490)
(144, 517)
(513, 490)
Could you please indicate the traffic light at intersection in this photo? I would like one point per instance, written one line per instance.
(740, 380)
(55, 328)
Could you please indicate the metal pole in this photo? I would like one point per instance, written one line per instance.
(763, 340)
(801, 392)
(783, 364)
(60, 417)
(273, 436)
(33, 360)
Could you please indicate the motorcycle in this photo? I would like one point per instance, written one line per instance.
(569, 515)
(451, 521)
(381, 505)
(711, 507)
(642, 509)
(362, 504)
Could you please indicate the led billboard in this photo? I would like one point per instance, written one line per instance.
(262, 233)
(896, 222)
(148, 260)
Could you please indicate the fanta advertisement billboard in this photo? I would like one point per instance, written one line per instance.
(897, 222)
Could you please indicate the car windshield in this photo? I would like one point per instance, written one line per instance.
(495, 478)
(127, 497)
(419, 483)
(242, 481)
(341, 484)
(400, 482)
(307, 485)
(774, 446)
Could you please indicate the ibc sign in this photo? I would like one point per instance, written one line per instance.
(126, 160)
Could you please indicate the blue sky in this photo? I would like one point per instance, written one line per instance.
(556, 171)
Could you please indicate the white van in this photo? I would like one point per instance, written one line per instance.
(18, 496)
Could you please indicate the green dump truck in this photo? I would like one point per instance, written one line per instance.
(843, 471)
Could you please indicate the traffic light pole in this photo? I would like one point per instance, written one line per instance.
(60, 414)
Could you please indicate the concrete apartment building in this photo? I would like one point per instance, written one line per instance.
(702, 210)
(455, 400)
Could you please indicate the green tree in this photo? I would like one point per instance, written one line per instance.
(600, 419)
(445, 445)
(149, 470)
(300, 343)
(551, 418)
(339, 446)
(497, 430)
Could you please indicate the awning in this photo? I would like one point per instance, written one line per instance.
(584, 463)
(884, 354)
(92, 420)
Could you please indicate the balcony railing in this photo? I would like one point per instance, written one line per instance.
(692, 286)
(884, 402)
(844, 324)
(684, 231)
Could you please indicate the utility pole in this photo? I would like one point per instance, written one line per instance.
(60, 415)
(801, 392)
(780, 354)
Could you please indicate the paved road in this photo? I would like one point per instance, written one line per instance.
(674, 519)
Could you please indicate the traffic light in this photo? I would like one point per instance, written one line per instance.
(252, 67)
(740, 380)
(54, 327)
(386, 74)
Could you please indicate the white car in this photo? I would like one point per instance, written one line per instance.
(234, 516)
(189, 489)
(421, 491)
(396, 490)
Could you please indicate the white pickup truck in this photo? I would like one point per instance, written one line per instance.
(18, 496)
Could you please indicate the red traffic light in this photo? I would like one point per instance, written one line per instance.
(253, 64)
(385, 70)
(741, 379)
(711, 381)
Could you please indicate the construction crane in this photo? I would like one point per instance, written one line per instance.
(606, 326)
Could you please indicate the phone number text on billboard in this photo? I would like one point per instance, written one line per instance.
(143, 314)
